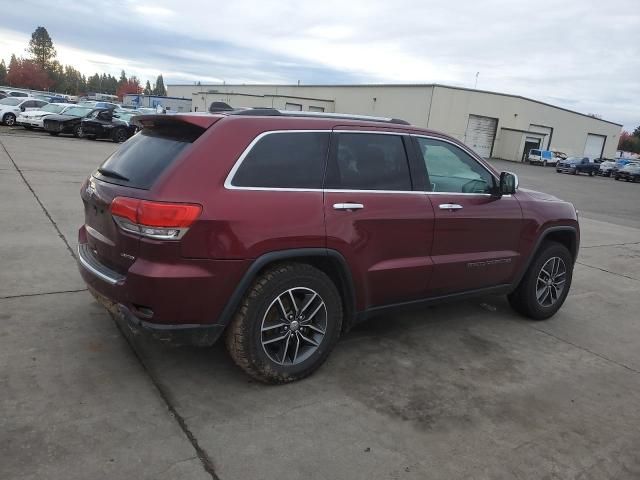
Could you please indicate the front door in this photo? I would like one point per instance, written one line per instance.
(476, 235)
(376, 220)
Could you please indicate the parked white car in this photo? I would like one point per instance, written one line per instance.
(11, 107)
(35, 118)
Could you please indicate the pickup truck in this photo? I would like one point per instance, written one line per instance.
(575, 165)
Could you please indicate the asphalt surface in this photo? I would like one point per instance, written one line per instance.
(600, 198)
(461, 391)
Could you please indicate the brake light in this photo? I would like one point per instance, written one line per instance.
(159, 220)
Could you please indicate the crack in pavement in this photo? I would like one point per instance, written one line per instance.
(612, 245)
(6, 297)
(35, 195)
(609, 271)
(203, 456)
(206, 462)
(585, 349)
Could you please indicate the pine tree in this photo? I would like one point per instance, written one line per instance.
(3, 73)
(159, 89)
(41, 47)
(13, 65)
(147, 88)
(123, 78)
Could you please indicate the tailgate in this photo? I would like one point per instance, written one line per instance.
(110, 245)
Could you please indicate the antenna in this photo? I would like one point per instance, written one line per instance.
(476, 84)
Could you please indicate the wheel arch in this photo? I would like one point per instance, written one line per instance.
(329, 261)
(565, 235)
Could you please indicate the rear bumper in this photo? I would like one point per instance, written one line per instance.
(197, 335)
(178, 301)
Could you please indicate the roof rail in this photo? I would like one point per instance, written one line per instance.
(273, 112)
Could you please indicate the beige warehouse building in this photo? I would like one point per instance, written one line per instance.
(493, 124)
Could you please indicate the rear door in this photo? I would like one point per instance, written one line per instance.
(130, 171)
(376, 220)
(476, 235)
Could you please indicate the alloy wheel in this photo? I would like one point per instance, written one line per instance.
(551, 281)
(294, 326)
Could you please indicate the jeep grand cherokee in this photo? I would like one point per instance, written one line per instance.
(280, 230)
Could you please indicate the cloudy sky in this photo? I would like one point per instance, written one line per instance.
(579, 54)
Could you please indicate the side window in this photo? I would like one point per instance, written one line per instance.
(29, 104)
(369, 161)
(451, 169)
(285, 160)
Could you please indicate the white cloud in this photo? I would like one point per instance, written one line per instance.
(581, 54)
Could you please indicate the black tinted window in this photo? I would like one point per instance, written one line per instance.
(369, 161)
(141, 160)
(285, 160)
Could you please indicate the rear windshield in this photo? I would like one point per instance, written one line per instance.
(140, 161)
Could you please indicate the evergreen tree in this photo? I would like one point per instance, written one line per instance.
(13, 65)
(3, 73)
(123, 78)
(41, 47)
(147, 88)
(159, 87)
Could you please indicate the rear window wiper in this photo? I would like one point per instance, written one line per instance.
(110, 173)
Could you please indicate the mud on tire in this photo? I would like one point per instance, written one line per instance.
(291, 301)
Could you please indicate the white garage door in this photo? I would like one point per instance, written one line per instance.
(481, 132)
(593, 147)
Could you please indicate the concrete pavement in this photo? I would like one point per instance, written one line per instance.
(461, 391)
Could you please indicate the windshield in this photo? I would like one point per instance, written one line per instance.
(77, 111)
(11, 101)
(53, 108)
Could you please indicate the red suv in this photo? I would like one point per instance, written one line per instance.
(280, 230)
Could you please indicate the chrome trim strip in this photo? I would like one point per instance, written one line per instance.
(228, 181)
(87, 264)
(98, 236)
(229, 186)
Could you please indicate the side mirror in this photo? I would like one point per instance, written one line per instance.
(508, 183)
(22, 108)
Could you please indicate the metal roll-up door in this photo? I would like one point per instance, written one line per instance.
(481, 132)
(593, 147)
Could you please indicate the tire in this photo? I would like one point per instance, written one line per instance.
(119, 135)
(54, 134)
(9, 119)
(77, 131)
(524, 299)
(273, 362)
(591, 174)
(574, 171)
(28, 127)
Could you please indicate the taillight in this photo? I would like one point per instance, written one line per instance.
(159, 220)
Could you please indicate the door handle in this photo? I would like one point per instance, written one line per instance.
(347, 206)
(450, 206)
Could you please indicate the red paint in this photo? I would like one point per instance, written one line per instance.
(400, 247)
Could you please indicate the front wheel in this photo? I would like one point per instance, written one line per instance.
(9, 119)
(545, 285)
(591, 174)
(119, 135)
(77, 131)
(287, 324)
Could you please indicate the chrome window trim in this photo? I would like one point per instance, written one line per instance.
(228, 183)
